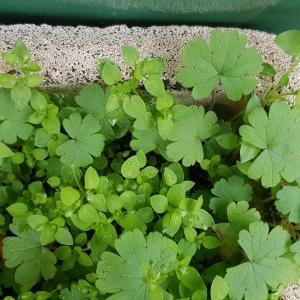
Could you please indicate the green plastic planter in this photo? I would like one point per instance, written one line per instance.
(269, 15)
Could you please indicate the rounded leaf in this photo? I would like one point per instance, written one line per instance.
(17, 210)
(155, 86)
(64, 237)
(130, 55)
(159, 203)
(91, 179)
(219, 288)
(69, 195)
(135, 107)
(131, 168)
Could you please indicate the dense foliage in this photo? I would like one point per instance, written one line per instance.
(118, 192)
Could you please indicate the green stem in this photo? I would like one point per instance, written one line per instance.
(236, 116)
(273, 97)
(75, 177)
(269, 94)
(136, 92)
(268, 200)
(212, 100)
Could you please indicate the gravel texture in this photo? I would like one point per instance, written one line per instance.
(68, 55)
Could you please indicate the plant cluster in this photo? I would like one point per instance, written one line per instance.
(118, 192)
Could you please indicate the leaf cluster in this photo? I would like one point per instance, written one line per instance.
(117, 191)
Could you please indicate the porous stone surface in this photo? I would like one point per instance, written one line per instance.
(68, 55)
(292, 292)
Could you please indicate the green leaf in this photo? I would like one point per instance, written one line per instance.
(41, 138)
(40, 154)
(32, 261)
(104, 236)
(98, 201)
(63, 236)
(239, 217)
(114, 102)
(47, 235)
(33, 81)
(227, 141)
(252, 104)
(191, 127)
(176, 193)
(131, 167)
(53, 181)
(202, 219)
(149, 172)
(172, 223)
(21, 51)
(135, 107)
(295, 248)
(91, 179)
(7, 81)
(10, 59)
(85, 144)
(69, 195)
(266, 265)
(128, 199)
(114, 203)
(289, 42)
(88, 214)
(275, 140)
(211, 242)
(109, 72)
(31, 67)
(74, 293)
(155, 86)
(38, 101)
(5, 151)
(153, 66)
(130, 273)
(147, 140)
(159, 203)
(288, 203)
(13, 123)
(37, 222)
(229, 190)
(51, 125)
(226, 60)
(166, 101)
(130, 55)
(219, 288)
(191, 279)
(92, 99)
(20, 95)
(297, 99)
(85, 260)
(268, 70)
(169, 176)
(165, 127)
(17, 210)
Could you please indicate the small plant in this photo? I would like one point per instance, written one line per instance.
(117, 192)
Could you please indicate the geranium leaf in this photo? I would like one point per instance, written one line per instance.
(226, 60)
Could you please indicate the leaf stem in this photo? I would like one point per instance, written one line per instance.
(136, 92)
(236, 116)
(276, 96)
(268, 200)
(212, 100)
(75, 177)
(269, 94)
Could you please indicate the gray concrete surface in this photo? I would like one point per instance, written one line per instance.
(68, 55)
